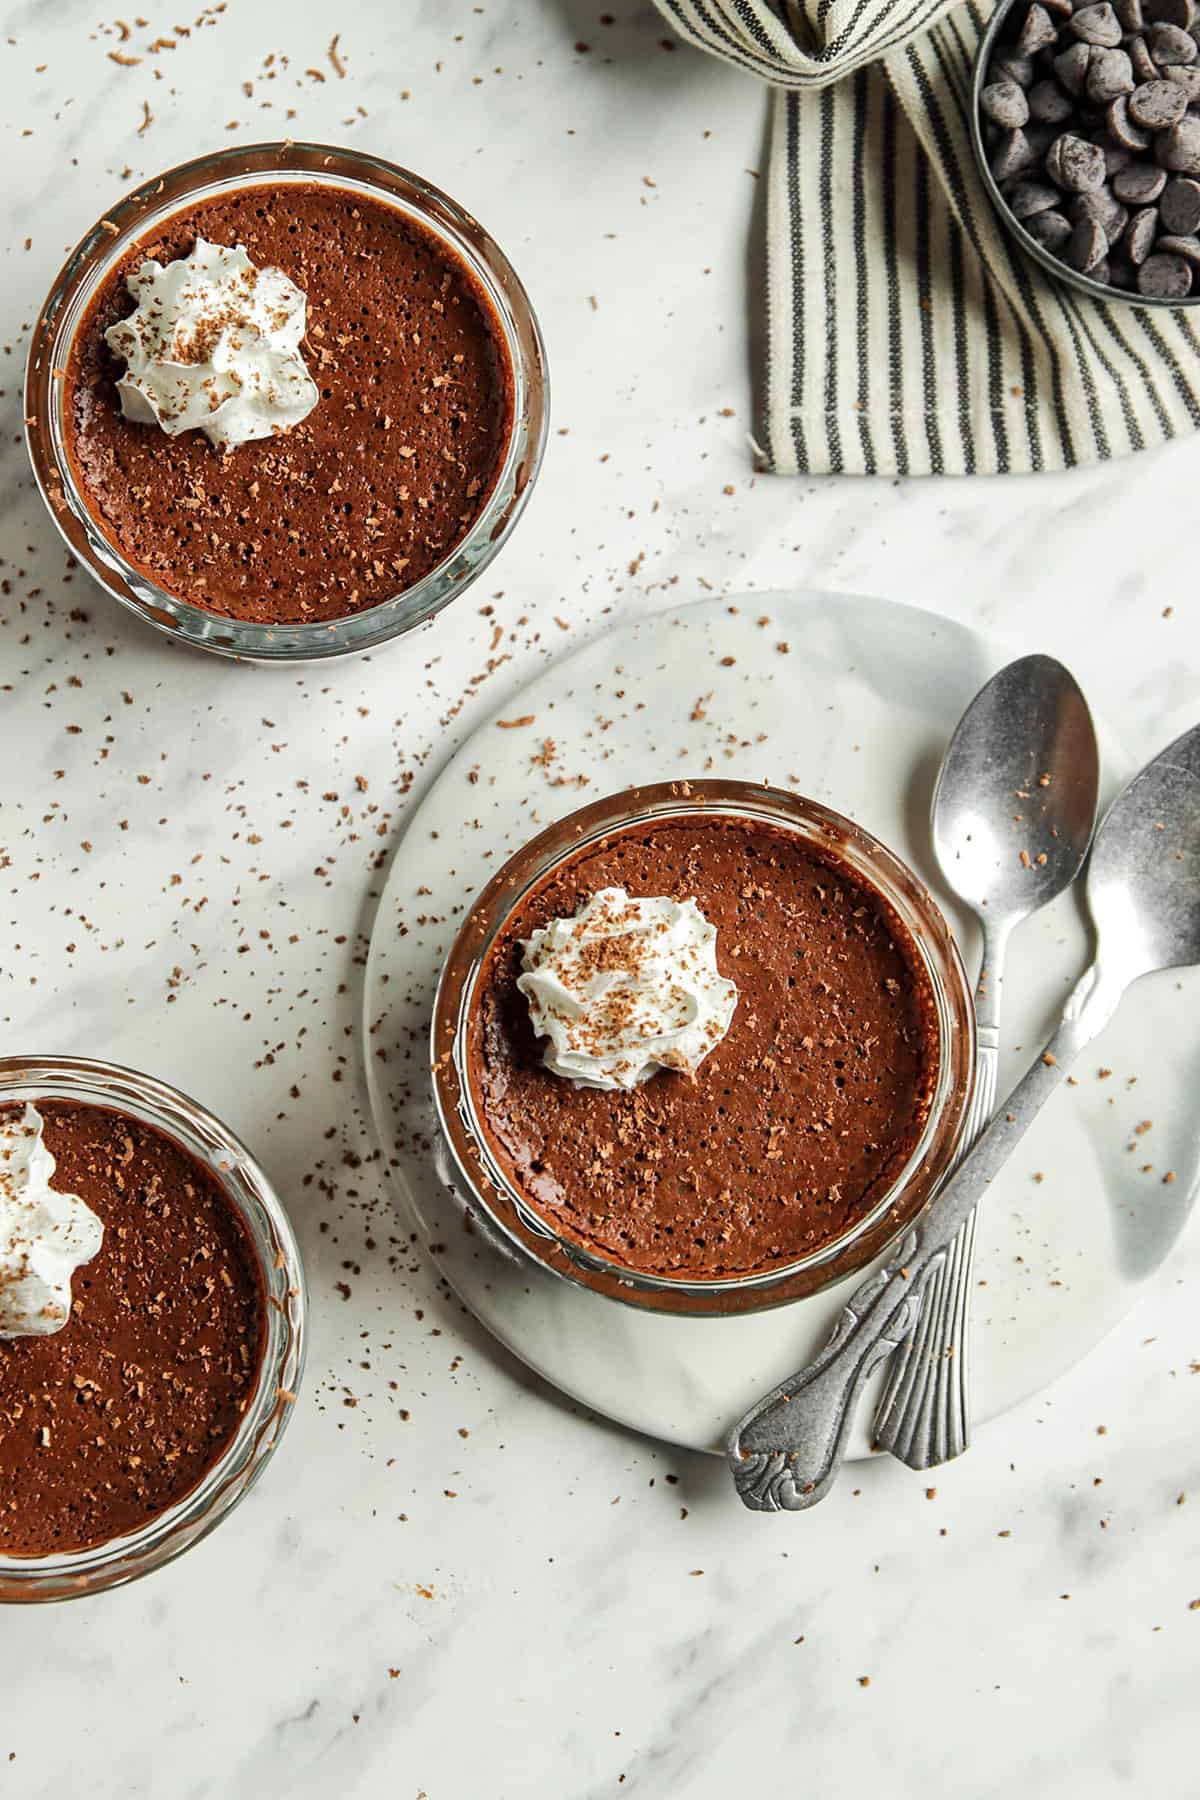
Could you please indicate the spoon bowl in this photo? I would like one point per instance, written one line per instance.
(1015, 801)
(1144, 880)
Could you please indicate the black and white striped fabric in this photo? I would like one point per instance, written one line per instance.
(907, 334)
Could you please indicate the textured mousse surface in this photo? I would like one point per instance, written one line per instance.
(794, 1125)
(121, 1413)
(383, 478)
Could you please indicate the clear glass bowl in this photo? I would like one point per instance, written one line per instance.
(279, 164)
(71, 1574)
(501, 1208)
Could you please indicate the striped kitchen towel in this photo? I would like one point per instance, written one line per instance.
(907, 334)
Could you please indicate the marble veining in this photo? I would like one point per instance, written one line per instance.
(191, 857)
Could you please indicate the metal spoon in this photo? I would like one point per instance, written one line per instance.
(1144, 893)
(1013, 814)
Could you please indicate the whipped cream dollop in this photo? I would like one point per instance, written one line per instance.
(44, 1235)
(625, 988)
(214, 346)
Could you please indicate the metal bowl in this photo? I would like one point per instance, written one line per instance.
(1082, 284)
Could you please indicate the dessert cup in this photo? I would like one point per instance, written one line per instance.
(71, 1574)
(137, 215)
(508, 1215)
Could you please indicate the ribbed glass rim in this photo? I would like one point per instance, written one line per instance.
(223, 171)
(73, 1574)
(504, 1207)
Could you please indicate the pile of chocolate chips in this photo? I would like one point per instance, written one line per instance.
(1091, 115)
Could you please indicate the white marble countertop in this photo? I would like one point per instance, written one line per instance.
(548, 1605)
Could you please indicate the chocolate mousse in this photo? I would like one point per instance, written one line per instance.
(121, 1413)
(791, 1128)
(377, 484)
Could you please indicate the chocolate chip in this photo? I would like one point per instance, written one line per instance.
(1049, 229)
(1100, 205)
(1122, 275)
(1052, 161)
(1140, 184)
(1081, 164)
(1012, 156)
(1139, 239)
(1005, 103)
(1179, 148)
(1011, 68)
(1116, 157)
(1071, 67)
(1038, 30)
(1172, 12)
(1100, 25)
(1153, 106)
(1123, 129)
(1168, 44)
(1165, 278)
(1186, 78)
(1187, 247)
(1049, 104)
(1110, 73)
(1025, 198)
(1144, 66)
(1130, 14)
(1180, 206)
(1087, 246)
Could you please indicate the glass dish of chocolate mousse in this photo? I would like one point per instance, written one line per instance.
(286, 402)
(703, 1047)
(151, 1325)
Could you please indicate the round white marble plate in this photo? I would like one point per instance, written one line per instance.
(851, 701)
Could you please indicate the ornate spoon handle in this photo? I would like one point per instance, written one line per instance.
(785, 1453)
(924, 1417)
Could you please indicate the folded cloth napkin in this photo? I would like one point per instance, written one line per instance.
(906, 332)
